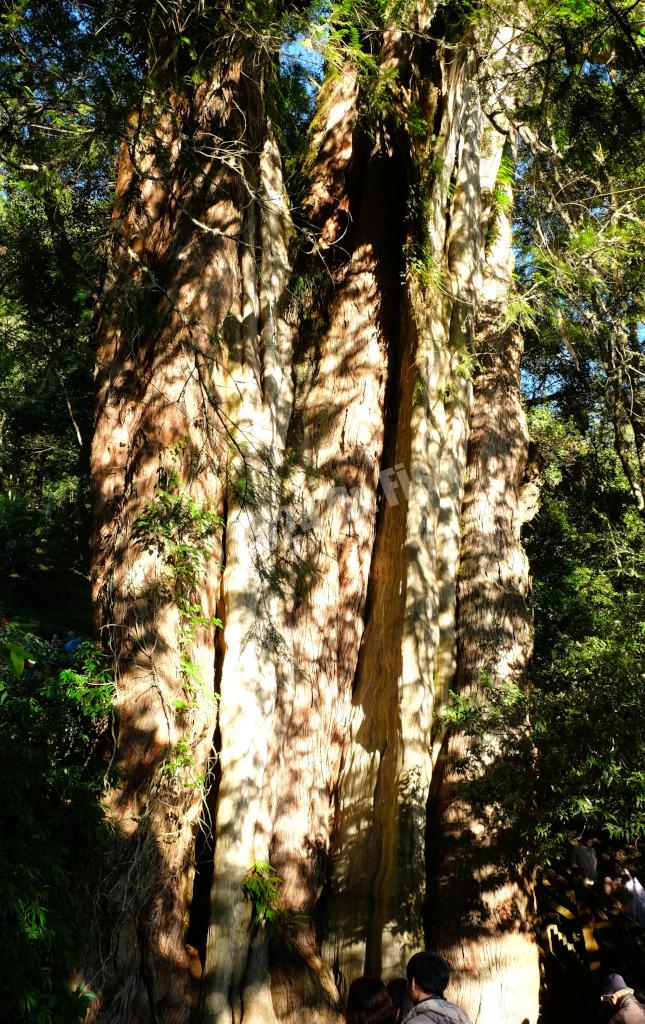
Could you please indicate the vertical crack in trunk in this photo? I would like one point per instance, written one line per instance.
(200, 905)
(343, 438)
(375, 899)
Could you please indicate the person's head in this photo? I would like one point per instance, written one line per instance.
(589, 841)
(614, 987)
(368, 1002)
(400, 996)
(428, 975)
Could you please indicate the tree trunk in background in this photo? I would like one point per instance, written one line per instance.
(627, 412)
(338, 603)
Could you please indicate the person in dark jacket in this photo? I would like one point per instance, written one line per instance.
(584, 860)
(428, 975)
(617, 993)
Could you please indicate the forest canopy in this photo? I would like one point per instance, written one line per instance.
(322, 494)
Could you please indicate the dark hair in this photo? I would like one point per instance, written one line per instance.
(368, 1002)
(430, 971)
(400, 996)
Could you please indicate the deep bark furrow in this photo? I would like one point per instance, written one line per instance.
(375, 904)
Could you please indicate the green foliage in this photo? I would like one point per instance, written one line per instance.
(181, 531)
(581, 271)
(176, 527)
(262, 888)
(65, 90)
(422, 267)
(519, 312)
(504, 182)
(52, 766)
(501, 198)
(14, 656)
(182, 758)
(558, 441)
(349, 34)
(574, 736)
(467, 366)
(295, 90)
(580, 197)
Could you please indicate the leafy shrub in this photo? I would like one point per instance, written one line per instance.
(573, 737)
(53, 712)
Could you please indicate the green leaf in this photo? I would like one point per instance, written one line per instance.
(14, 656)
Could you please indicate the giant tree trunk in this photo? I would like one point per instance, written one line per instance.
(338, 603)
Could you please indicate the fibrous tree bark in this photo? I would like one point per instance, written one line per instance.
(481, 906)
(376, 887)
(192, 344)
(294, 467)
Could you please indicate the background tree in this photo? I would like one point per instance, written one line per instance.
(65, 82)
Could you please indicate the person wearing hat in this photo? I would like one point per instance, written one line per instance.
(618, 994)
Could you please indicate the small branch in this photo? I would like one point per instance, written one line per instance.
(79, 436)
(543, 399)
(17, 166)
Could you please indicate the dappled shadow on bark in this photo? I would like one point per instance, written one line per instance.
(339, 440)
(373, 904)
(322, 579)
(173, 297)
(145, 969)
(149, 957)
(481, 914)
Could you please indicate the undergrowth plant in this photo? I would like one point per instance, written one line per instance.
(54, 712)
